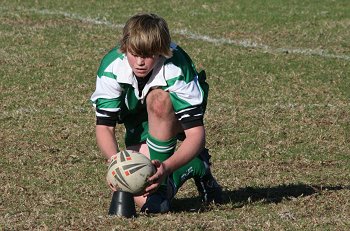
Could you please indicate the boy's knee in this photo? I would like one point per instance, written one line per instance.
(159, 103)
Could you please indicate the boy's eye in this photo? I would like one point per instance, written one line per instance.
(143, 56)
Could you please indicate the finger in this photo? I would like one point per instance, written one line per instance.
(156, 163)
(146, 194)
(152, 188)
(113, 187)
(149, 192)
(153, 179)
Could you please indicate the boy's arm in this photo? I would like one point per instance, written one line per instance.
(190, 147)
(107, 102)
(106, 141)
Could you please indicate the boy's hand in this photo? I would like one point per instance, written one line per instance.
(156, 179)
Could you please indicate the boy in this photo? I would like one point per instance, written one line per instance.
(151, 86)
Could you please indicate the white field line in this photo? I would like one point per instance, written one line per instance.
(246, 43)
(25, 111)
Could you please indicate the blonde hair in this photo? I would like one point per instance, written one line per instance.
(146, 35)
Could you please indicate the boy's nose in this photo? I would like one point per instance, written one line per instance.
(140, 61)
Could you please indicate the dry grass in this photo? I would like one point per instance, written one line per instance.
(277, 123)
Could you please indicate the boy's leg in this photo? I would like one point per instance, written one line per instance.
(195, 168)
(162, 125)
(161, 142)
(207, 186)
(163, 128)
(199, 169)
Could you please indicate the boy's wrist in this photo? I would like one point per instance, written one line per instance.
(168, 167)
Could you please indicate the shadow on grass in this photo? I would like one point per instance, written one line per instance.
(244, 196)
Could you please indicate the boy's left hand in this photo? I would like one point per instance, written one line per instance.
(156, 179)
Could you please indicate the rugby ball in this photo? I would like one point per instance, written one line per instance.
(128, 171)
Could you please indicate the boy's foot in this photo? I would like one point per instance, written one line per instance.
(159, 202)
(208, 188)
(156, 203)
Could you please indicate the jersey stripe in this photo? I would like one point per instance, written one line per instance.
(108, 75)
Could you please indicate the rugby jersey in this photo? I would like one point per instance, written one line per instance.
(117, 91)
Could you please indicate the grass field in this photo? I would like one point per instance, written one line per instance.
(278, 120)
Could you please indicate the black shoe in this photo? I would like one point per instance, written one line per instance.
(159, 202)
(208, 188)
(156, 203)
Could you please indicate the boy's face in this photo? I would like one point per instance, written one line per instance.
(141, 66)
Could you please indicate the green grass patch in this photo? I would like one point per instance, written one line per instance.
(277, 118)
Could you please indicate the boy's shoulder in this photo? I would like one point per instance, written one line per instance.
(177, 52)
(111, 56)
(180, 59)
(179, 65)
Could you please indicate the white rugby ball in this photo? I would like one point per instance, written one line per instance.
(128, 171)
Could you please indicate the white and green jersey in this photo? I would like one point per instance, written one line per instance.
(117, 97)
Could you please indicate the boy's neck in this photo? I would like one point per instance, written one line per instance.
(141, 81)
